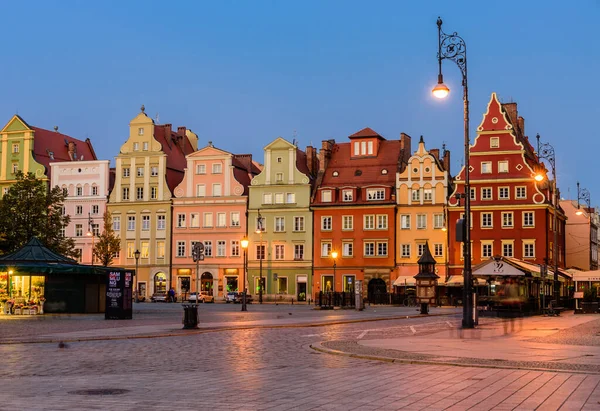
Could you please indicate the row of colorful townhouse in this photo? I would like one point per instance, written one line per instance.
(373, 203)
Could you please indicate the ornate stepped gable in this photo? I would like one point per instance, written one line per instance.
(500, 138)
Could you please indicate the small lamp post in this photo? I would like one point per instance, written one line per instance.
(136, 254)
(91, 233)
(244, 244)
(260, 228)
(426, 280)
(334, 256)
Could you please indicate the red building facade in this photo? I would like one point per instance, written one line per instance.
(511, 213)
(354, 214)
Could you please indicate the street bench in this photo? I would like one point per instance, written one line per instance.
(554, 311)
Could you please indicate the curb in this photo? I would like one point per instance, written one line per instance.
(319, 347)
(216, 329)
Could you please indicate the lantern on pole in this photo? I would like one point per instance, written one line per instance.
(426, 280)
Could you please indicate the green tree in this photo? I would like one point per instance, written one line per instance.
(108, 243)
(29, 209)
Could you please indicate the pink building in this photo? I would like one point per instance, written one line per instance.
(210, 206)
(87, 185)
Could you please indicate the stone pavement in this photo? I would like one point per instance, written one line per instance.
(276, 369)
(518, 343)
(167, 322)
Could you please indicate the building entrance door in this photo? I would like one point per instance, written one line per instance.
(301, 287)
(377, 291)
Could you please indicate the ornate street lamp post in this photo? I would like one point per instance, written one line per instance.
(136, 254)
(452, 47)
(244, 244)
(546, 152)
(583, 195)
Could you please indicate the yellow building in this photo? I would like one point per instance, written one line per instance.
(421, 197)
(149, 166)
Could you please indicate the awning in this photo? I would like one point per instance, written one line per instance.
(404, 280)
(454, 281)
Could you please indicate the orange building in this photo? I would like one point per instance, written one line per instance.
(354, 213)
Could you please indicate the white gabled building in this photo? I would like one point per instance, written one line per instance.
(87, 184)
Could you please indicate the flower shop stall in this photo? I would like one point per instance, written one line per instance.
(34, 280)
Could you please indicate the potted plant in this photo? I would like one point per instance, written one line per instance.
(589, 305)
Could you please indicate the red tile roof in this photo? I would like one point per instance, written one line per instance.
(47, 143)
(176, 147)
(244, 170)
(366, 132)
(362, 171)
(370, 167)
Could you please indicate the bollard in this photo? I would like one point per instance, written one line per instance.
(190, 316)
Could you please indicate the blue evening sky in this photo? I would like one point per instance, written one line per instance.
(241, 73)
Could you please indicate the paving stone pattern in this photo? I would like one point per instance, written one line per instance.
(270, 369)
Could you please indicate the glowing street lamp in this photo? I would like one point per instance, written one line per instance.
(244, 243)
(334, 256)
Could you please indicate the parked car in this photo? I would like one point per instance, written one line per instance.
(160, 297)
(205, 297)
(230, 297)
(239, 297)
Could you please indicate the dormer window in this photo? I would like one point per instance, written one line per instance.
(326, 196)
(335, 173)
(375, 194)
(347, 195)
(384, 171)
(370, 148)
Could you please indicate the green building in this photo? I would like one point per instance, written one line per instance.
(279, 202)
(31, 150)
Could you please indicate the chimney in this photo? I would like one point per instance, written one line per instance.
(325, 154)
(405, 150)
(446, 161)
(511, 111)
(181, 131)
(435, 152)
(311, 160)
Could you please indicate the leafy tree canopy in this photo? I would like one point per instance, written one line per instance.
(29, 209)
(108, 243)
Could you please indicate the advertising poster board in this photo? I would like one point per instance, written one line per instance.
(119, 294)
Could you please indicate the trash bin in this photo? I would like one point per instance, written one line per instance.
(190, 316)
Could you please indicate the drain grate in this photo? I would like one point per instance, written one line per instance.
(100, 391)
